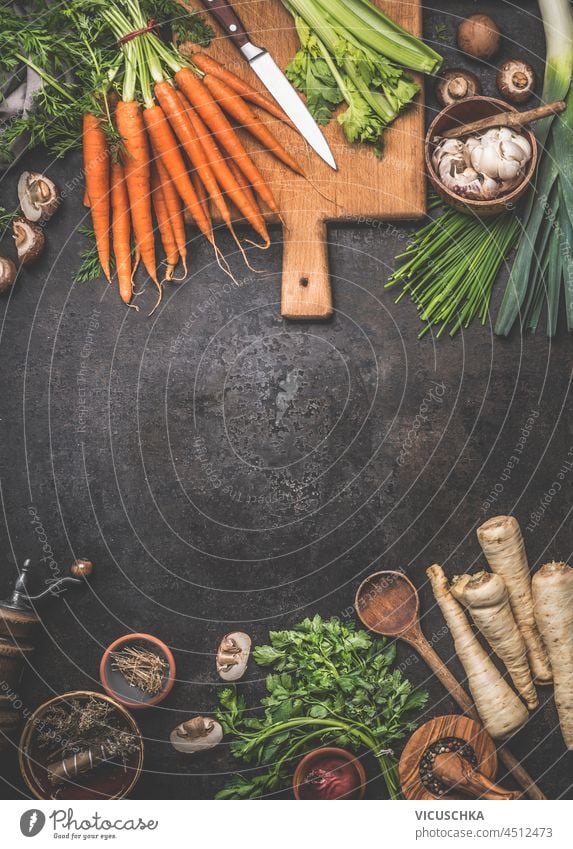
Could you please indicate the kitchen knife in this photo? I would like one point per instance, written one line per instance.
(272, 77)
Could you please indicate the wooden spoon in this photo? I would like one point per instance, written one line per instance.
(506, 119)
(388, 604)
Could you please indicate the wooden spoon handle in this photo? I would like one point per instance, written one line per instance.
(506, 119)
(520, 774)
(442, 672)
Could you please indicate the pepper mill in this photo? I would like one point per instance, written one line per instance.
(18, 625)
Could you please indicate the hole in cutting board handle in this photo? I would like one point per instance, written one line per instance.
(304, 281)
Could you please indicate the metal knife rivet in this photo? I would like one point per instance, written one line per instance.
(233, 27)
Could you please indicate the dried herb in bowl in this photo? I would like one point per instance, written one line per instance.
(141, 668)
(82, 735)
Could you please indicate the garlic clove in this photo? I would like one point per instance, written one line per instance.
(490, 189)
(509, 169)
(512, 151)
(489, 161)
(525, 146)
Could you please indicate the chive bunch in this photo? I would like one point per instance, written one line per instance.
(450, 267)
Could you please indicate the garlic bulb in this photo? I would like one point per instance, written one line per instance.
(483, 167)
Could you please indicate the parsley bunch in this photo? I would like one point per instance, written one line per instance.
(331, 685)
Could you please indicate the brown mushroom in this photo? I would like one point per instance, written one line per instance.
(29, 240)
(7, 274)
(516, 80)
(38, 195)
(479, 36)
(455, 84)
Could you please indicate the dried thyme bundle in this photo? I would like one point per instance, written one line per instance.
(141, 668)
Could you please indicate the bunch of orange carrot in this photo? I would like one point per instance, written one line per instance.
(178, 154)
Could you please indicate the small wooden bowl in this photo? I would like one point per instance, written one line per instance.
(462, 112)
(116, 685)
(312, 758)
(106, 782)
(461, 727)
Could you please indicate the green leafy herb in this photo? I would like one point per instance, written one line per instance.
(90, 267)
(185, 25)
(350, 52)
(440, 32)
(329, 684)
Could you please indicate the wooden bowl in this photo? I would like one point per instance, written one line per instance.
(110, 781)
(313, 758)
(461, 727)
(116, 685)
(462, 112)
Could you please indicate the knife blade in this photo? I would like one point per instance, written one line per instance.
(272, 78)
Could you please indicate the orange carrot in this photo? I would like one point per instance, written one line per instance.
(243, 183)
(177, 116)
(121, 232)
(96, 167)
(131, 128)
(201, 98)
(209, 66)
(201, 192)
(165, 145)
(174, 211)
(238, 109)
(227, 179)
(164, 224)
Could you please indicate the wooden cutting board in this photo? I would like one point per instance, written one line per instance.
(362, 190)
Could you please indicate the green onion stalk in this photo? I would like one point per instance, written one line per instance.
(450, 267)
(543, 264)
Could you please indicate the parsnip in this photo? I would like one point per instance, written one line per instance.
(553, 608)
(485, 596)
(500, 709)
(502, 543)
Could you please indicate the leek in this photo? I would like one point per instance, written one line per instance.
(543, 264)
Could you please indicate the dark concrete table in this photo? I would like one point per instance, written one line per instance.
(226, 469)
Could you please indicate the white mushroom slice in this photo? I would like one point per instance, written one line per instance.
(38, 196)
(233, 655)
(196, 735)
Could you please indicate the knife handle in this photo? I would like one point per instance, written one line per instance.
(228, 19)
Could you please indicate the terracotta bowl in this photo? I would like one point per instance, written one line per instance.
(313, 758)
(462, 112)
(115, 684)
(110, 781)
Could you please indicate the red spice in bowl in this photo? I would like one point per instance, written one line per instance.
(329, 773)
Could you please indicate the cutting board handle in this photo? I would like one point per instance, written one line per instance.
(306, 292)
